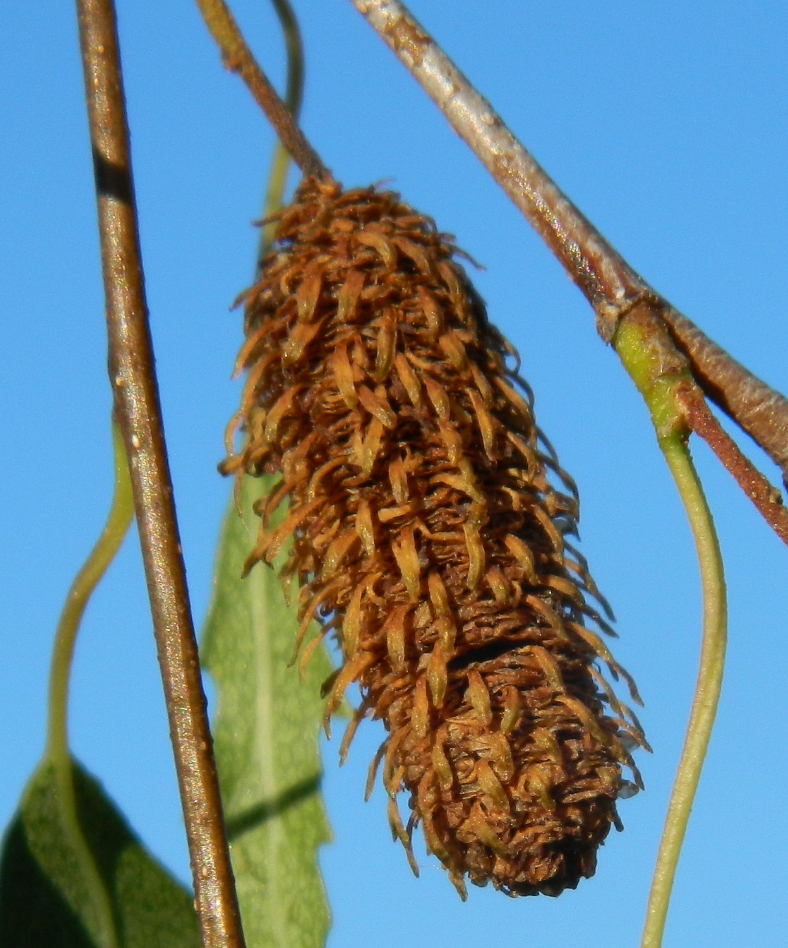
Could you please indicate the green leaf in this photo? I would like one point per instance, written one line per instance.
(265, 736)
(48, 900)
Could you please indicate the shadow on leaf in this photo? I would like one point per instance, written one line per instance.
(262, 812)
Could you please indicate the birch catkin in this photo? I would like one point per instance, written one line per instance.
(429, 522)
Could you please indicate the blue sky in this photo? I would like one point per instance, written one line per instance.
(667, 125)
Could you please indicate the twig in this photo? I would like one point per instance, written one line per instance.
(643, 342)
(237, 57)
(608, 282)
(753, 405)
(133, 378)
(763, 495)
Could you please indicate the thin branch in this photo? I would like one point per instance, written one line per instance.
(754, 406)
(608, 282)
(763, 495)
(237, 57)
(133, 378)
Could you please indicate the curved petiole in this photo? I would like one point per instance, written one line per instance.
(664, 387)
(57, 752)
(707, 688)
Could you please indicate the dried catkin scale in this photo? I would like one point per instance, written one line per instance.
(429, 520)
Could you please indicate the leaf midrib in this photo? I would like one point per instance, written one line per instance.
(265, 741)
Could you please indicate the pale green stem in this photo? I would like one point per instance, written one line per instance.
(707, 689)
(57, 752)
(664, 382)
(280, 163)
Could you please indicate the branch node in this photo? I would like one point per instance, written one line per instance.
(609, 313)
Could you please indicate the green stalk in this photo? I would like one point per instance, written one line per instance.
(280, 162)
(664, 381)
(707, 688)
(57, 753)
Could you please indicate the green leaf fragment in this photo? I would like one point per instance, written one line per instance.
(46, 900)
(266, 742)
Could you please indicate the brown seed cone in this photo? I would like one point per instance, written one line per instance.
(429, 537)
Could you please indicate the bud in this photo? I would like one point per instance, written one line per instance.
(429, 522)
